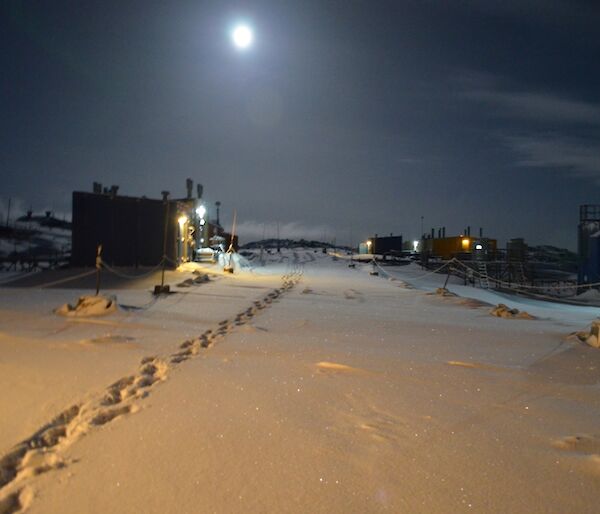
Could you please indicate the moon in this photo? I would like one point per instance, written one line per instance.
(242, 36)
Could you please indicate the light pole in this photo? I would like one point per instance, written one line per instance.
(200, 214)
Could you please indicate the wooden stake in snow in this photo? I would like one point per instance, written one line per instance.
(447, 277)
(230, 249)
(229, 266)
(98, 267)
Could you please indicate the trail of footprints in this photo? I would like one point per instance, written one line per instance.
(42, 451)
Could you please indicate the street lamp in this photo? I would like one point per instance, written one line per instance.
(201, 213)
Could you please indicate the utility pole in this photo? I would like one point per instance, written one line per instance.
(278, 242)
(8, 212)
(262, 245)
(160, 289)
(422, 218)
(218, 204)
(164, 255)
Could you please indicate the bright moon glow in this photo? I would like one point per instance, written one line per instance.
(242, 36)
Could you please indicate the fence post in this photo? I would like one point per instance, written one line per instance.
(164, 257)
(448, 275)
(98, 267)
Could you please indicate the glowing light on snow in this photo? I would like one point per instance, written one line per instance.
(242, 37)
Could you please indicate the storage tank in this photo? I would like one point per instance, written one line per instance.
(588, 244)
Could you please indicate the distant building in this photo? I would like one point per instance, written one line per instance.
(131, 230)
(363, 248)
(459, 246)
(388, 245)
(516, 250)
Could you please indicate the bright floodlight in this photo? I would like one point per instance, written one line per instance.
(242, 36)
(201, 211)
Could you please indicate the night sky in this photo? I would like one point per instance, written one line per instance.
(345, 119)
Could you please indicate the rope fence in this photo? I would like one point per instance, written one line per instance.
(68, 279)
(127, 276)
(418, 277)
(468, 272)
(523, 286)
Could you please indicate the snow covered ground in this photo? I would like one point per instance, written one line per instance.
(299, 386)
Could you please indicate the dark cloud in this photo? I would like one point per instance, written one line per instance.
(546, 130)
(551, 11)
(577, 156)
(538, 106)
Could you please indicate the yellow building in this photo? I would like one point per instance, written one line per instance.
(449, 247)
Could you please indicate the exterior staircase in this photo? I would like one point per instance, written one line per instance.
(484, 279)
(520, 276)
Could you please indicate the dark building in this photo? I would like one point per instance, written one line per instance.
(390, 245)
(516, 250)
(131, 230)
